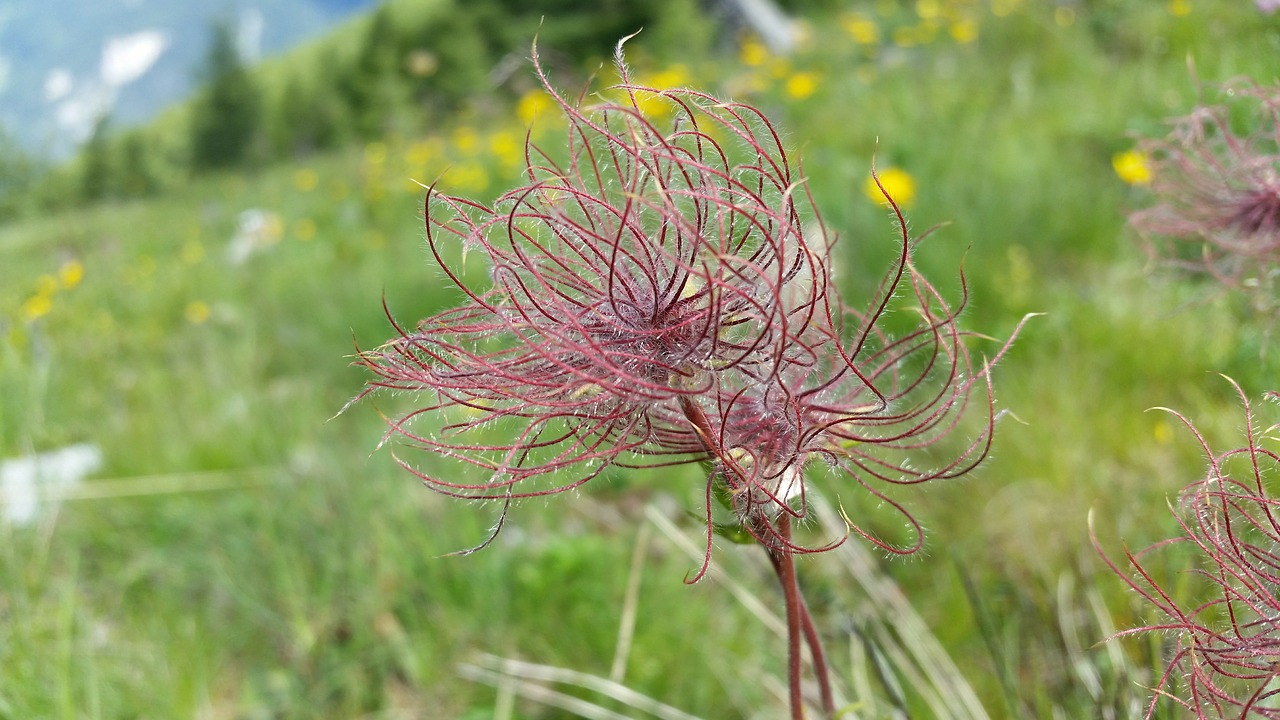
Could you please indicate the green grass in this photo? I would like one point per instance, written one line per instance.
(246, 554)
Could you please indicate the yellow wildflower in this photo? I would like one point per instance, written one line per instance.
(964, 31)
(306, 180)
(508, 148)
(419, 153)
(534, 104)
(304, 229)
(36, 306)
(753, 53)
(1132, 167)
(674, 76)
(1179, 8)
(465, 139)
(197, 312)
(652, 104)
(70, 274)
(863, 30)
(801, 85)
(466, 178)
(897, 183)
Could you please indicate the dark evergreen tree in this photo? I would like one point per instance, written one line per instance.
(226, 119)
(19, 173)
(95, 161)
(135, 171)
(375, 86)
(310, 117)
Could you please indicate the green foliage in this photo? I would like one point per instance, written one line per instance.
(138, 172)
(310, 116)
(372, 87)
(226, 119)
(247, 554)
(19, 173)
(96, 161)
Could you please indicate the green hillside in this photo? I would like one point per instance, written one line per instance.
(247, 552)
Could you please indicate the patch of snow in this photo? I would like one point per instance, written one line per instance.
(256, 230)
(28, 482)
(249, 35)
(77, 113)
(58, 84)
(129, 57)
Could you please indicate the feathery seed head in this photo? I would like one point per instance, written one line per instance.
(1217, 189)
(656, 292)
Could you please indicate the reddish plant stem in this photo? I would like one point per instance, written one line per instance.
(811, 637)
(799, 619)
(819, 661)
(784, 563)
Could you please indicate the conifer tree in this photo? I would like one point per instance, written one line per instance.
(18, 174)
(95, 177)
(375, 87)
(227, 116)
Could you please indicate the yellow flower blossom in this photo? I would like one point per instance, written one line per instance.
(36, 307)
(964, 31)
(413, 186)
(1179, 8)
(860, 28)
(419, 153)
(534, 104)
(1132, 167)
(466, 178)
(465, 139)
(306, 180)
(70, 274)
(196, 312)
(897, 182)
(753, 53)
(304, 229)
(674, 76)
(652, 104)
(508, 147)
(928, 9)
(801, 85)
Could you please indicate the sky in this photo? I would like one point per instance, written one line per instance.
(64, 63)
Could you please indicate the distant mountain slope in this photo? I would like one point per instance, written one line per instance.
(64, 62)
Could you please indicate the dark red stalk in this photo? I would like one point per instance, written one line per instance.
(814, 641)
(785, 564)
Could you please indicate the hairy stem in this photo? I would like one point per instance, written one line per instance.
(819, 658)
(784, 563)
(781, 560)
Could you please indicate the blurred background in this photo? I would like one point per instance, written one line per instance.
(204, 205)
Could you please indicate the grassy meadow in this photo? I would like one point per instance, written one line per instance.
(247, 552)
